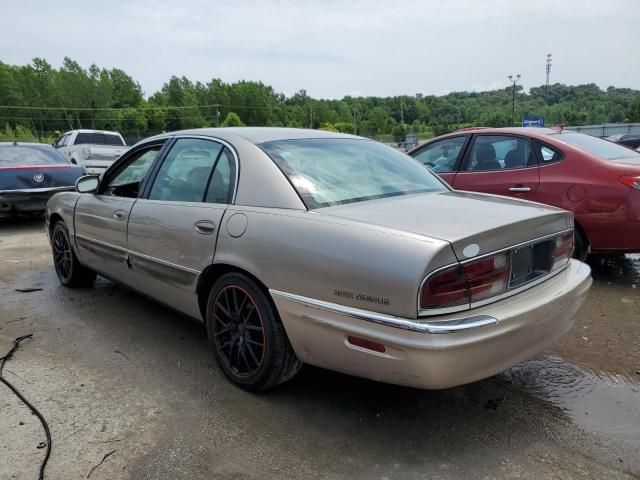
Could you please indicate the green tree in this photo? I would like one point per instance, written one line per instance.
(232, 120)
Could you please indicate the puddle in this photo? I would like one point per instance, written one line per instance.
(619, 269)
(597, 401)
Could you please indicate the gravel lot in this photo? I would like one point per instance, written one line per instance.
(120, 376)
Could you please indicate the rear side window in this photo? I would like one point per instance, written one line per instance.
(184, 174)
(114, 140)
(442, 156)
(546, 153)
(500, 152)
(221, 183)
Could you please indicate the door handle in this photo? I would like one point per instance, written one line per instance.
(520, 188)
(205, 227)
(119, 214)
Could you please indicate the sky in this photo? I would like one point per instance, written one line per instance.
(333, 48)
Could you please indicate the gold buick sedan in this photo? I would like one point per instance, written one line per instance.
(303, 246)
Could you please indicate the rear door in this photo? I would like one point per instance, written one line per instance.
(101, 217)
(173, 229)
(499, 164)
(443, 156)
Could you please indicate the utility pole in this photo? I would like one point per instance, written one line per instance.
(217, 116)
(546, 88)
(513, 80)
(310, 115)
(401, 112)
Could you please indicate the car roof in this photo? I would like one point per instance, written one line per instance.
(25, 144)
(531, 131)
(258, 135)
(89, 130)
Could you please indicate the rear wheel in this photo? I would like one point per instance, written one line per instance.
(70, 271)
(581, 245)
(247, 337)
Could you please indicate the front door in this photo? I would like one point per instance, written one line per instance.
(443, 156)
(101, 218)
(500, 164)
(173, 229)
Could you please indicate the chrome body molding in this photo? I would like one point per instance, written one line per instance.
(445, 326)
(38, 190)
(422, 312)
(100, 242)
(164, 262)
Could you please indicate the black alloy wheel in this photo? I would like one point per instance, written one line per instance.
(239, 331)
(246, 334)
(70, 271)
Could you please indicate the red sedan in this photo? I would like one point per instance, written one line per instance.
(599, 181)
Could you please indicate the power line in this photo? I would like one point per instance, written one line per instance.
(164, 107)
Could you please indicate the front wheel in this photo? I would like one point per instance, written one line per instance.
(70, 271)
(247, 337)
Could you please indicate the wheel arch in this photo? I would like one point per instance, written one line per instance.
(212, 273)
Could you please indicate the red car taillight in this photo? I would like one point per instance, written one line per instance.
(471, 282)
(488, 277)
(563, 250)
(447, 288)
(632, 181)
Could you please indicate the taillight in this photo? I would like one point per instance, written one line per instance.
(632, 181)
(446, 289)
(471, 282)
(488, 276)
(481, 279)
(563, 250)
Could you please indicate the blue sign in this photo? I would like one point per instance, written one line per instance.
(533, 122)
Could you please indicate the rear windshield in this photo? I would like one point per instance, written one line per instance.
(334, 171)
(98, 139)
(22, 155)
(596, 146)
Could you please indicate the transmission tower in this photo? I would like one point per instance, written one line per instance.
(546, 88)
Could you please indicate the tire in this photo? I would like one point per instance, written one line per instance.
(70, 271)
(247, 336)
(581, 245)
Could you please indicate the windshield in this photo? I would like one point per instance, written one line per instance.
(22, 155)
(334, 171)
(596, 146)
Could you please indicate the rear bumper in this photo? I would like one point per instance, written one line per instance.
(489, 339)
(27, 200)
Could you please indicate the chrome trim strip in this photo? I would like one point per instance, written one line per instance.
(100, 242)
(444, 326)
(461, 308)
(164, 262)
(38, 190)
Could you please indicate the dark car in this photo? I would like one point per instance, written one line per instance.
(599, 181)
(628, 140)
(29, 174)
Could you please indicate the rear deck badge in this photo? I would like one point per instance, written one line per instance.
(38, 177)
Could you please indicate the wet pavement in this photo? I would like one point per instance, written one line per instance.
(131, 391)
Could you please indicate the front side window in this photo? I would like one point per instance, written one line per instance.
(334, 171)
(598, 147)
(499, 152)
(126, 182)
(442, 156)
(184, 174)
(62, 141)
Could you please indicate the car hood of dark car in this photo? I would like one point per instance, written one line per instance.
(462, 218)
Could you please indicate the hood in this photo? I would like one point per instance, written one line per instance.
(462, 218)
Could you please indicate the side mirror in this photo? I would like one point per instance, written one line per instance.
(87, 184)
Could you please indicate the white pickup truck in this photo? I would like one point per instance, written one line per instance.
(93, 150)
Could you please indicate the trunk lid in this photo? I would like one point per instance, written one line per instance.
(39, 176)
(473, 223)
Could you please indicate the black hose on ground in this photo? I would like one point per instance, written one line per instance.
(3, 360)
